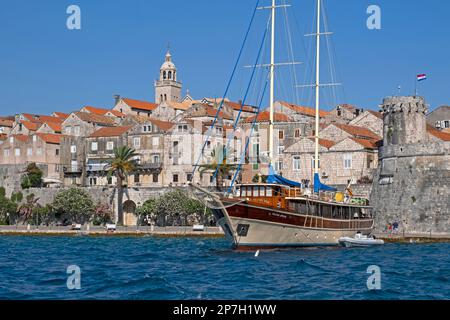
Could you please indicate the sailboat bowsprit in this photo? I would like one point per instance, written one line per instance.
(283, 213)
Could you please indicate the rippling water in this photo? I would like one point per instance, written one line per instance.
(153, 268)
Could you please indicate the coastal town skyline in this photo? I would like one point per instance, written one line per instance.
(63, 78)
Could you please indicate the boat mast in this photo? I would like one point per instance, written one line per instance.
(317, 137)
(272, 86)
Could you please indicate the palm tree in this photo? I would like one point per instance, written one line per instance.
(121, 166)
(219, 166)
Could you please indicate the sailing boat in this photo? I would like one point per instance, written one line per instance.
(283, 213)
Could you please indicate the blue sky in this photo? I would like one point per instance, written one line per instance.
(45, 67)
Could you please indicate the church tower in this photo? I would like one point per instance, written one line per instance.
(167, 88)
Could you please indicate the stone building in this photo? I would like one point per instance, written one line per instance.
(134, 107)
(168, 88)
(411, 186)
(440, 118)
(371, 120)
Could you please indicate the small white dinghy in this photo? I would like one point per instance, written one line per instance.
(360, 240)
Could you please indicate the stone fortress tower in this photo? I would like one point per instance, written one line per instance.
(167, 88)
(412, 183)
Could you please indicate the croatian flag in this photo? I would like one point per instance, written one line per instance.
(421, 77)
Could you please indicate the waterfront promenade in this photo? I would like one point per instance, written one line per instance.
(121, 231)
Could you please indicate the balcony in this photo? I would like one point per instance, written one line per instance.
(72, 170)
(150, 166)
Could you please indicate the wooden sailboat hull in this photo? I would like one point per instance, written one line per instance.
(250, 227)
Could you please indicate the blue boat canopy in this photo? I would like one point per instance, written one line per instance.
(274, 178)
(319, 186)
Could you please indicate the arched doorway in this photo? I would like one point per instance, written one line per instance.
(129, 213)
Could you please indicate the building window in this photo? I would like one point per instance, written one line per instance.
(6, 152)
(280, 150)
(155, 178)
(34, 138)
(175, 178)
(280, 134)
(147, 128)
(136, 143)
(296, 163)
(17, 152)
(447, 124)
(94, 146)
(348, 161)
(11, 140)
(39, 151)
(183, 128)
(57, 152)
(109, 180)
(57, 168)
(29, 151)
(156, 159)
(189, 177)
(279, 166)
(68, 130)
(137, 178)
(73, 149)
(77, 130)
(93, 181)
(155, 141)
(298, 133)
(110, 145)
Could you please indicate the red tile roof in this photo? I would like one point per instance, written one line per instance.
(54, 126)
(141, 105)
(94, 110)
(358, 132)
(368, 144)
(376, 114)
(33, 126)
(6, 123)
(50, 137)
(117, 113)
(61, 115)
(444, 136)
(304, 110)
(324, 142)
(265, 117)
(3, 136)
(21, 137)
(163, 125)
(237, 106)
(95, 118)
(110, 132)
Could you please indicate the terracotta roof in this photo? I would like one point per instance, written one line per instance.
(368, 144)
(3, 136)
(180, 105)
(94, 110)
(6, 123)
(117, 113)
(265, 117)
(163, 125)
(61, 115)
(54, 126)
(376, 114)
(358, 132)
(141, 105)
(324, 142)
(50, 119)
(304, 110)
(95, 118)
(444, 136)
(21, 137)
(237, 106)
(110, 132)
(33, 126)
(50, 137)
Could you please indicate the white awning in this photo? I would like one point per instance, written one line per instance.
(51, 181)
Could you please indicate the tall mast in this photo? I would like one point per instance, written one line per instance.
(316, 156)
(272, 86)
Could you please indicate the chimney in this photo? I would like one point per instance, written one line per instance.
(116, 99)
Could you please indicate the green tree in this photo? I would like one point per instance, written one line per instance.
(219, 166)
(33, 177)
(7, 209)
(121, 166)
(74, 204)
(147, 213)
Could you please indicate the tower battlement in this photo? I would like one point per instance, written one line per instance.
(406, 104)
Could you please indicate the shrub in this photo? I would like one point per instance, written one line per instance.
(33, 177)
(74, 204)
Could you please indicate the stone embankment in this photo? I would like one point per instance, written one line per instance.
(213, 232)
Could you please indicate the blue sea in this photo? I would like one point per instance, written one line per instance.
(196, 268)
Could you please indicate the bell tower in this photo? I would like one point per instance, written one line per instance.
(167, 88)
